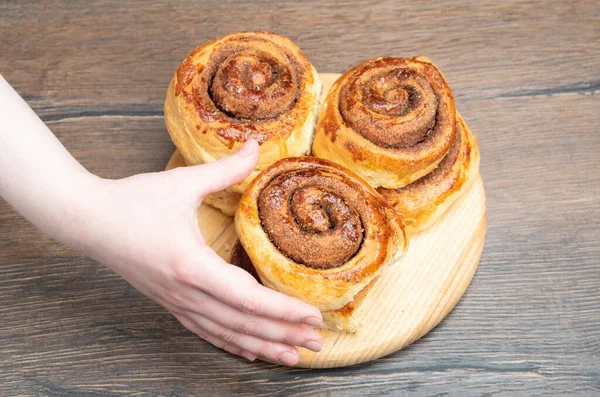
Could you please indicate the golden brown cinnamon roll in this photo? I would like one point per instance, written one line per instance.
(428, 198)
(252, 85)
(316, 231)
(391, 120)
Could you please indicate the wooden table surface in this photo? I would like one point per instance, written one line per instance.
(526, 77)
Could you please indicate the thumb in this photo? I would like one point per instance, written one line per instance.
(221, 174)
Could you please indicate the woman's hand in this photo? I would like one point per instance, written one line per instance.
(145, 228)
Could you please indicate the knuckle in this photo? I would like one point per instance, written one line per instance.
(287, 317)
(250, 306)
(233, 349)
(228, 336)
(214, 341)
(247, 327)
(244, 278)
(268, 350)
(183, 273)
(201, 333)
(175, 298)
(288, 338)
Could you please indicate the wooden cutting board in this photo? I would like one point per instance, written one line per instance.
(410, 298)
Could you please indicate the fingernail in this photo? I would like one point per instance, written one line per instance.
(247, 149)
(287, 358)
(247, 355)
(313, 345)
(312, 320)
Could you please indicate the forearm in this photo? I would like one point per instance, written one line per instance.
(38, 176)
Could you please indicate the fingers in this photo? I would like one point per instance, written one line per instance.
(232, 285)
(231, 310)
(237, 343)
(261, 301)
(260, 327)
(254, 299)
(220, 174)
(213, 340)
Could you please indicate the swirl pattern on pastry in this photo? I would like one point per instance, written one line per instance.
(391, 120)
(422, 202)
(317, 231)
(252, 85)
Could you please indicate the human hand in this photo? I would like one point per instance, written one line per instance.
(145, 228)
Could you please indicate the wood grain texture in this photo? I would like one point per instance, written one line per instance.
(525, 77)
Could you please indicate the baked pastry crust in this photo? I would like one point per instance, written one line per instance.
(345, 319)
(250, 85)
(424, 201)
(340, 233)
(391, 120)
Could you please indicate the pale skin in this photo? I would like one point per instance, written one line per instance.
(144, 228)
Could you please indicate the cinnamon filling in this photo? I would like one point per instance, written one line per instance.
(394, 104)
(312, 217)
(254, 85)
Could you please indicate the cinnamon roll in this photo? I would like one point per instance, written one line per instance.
(391, 120)
(317, 231)
(428, 198)
(252, 85)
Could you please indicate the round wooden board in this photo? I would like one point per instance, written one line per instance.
(410, 298)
